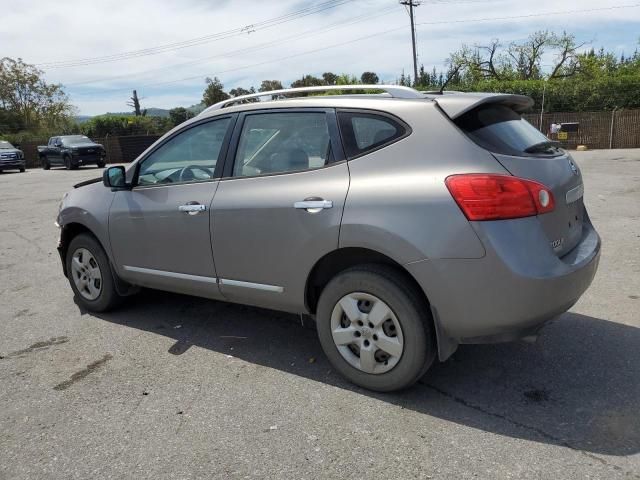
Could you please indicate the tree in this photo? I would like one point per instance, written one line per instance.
(308, 81)
(179, 115)
(214, 92)
(369, 78)
(268, 85)
(25, 94)
(135, 104)
(236, 92)
(330, 78)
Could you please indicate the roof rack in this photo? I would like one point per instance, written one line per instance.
(394, 91)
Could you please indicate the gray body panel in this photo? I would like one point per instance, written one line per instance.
(156, 245)
(485, 281)
(259, 237)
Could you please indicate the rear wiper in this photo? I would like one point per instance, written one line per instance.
(542, 146)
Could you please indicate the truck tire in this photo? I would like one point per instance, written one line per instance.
(67, 162)
(44, 161)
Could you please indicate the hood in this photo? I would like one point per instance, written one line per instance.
(457, 104)
(85, 145)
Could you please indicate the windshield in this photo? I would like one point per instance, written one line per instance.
(74, 139)
(5, 144)
(499, 129)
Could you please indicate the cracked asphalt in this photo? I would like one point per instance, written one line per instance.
(178, 387)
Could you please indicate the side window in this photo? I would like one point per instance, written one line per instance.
(282, 142)
(365, 132)
(190, 156)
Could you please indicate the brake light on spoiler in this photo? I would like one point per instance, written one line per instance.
(483, 196)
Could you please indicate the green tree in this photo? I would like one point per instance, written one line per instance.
(308, 81)
(369, 78)
(179, 115)
(214, 92)
(268, 85)
(236, 92)
(329, 78)
(24, 93)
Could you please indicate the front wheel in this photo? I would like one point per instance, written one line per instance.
(100, 164)
(90, 275)
(44, 161)
(375, 328)
(22, 170)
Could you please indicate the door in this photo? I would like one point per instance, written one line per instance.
(53, 151)
(159, 230)
(278, 209)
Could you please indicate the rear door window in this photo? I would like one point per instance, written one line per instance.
(280, 142)
(500, 129)
(364, 132)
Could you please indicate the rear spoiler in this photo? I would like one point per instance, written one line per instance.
(457, 104)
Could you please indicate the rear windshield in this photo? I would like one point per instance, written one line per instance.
(499, 129)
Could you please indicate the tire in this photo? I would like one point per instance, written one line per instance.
(67, 162)
(22, 170)
(408, 318)
(44, 161)
(91, 254)
(100, 164)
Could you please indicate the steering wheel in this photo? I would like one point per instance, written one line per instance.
(186, 174)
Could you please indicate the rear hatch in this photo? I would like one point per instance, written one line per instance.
(494, 123)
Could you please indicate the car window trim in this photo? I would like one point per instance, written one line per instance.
(217, 172)
(337, 152)
(372, 112)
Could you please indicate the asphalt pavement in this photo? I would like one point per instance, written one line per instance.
(171, 386)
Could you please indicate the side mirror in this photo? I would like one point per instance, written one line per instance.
(114, 177)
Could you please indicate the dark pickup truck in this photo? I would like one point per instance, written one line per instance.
(71, 151)
(10, 157)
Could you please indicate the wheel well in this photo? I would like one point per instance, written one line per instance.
(335, 262)
(68, 233)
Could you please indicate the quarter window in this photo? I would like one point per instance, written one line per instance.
(190, 156)
(282, 142)
(365, 132)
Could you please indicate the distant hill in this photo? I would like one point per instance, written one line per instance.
(151, 112)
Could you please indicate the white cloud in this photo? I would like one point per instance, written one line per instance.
(41, 31)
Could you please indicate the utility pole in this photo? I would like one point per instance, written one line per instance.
(411, 4)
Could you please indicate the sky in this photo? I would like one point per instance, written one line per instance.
(100, 51)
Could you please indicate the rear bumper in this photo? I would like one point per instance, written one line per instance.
(512, 291)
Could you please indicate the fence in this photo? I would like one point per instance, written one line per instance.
(119, 149)
(613, 129)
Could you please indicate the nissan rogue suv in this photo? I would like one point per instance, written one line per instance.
(406, 223)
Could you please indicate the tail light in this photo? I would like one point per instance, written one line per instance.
(498, 197)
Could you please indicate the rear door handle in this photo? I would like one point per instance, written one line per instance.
(192, 208)
(313, 206)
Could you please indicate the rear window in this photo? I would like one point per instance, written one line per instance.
(499, 129)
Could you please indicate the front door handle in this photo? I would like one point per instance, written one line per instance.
(192, 208)
(313, 205)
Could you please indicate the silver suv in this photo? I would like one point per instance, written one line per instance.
(405, 222)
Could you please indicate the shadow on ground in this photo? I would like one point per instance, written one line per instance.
(578, 387)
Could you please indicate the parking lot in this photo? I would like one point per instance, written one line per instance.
(178, 387)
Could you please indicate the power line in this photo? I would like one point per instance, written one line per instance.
(247, 29)
(232, 53)
(366, 37)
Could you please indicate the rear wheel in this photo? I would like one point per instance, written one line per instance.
(90, 275)
(375, 329)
